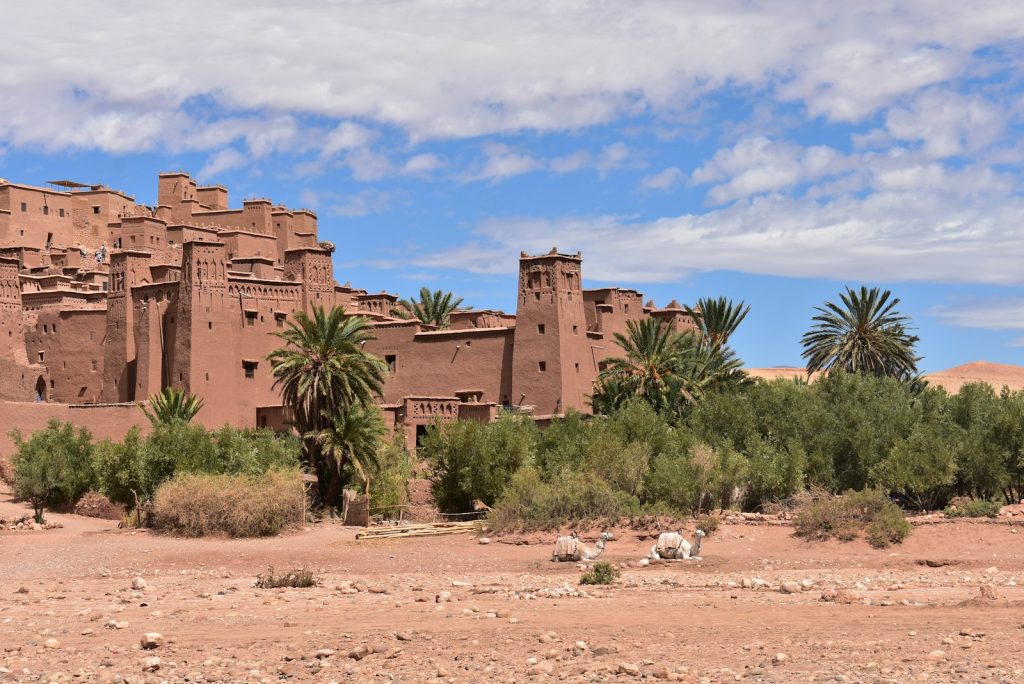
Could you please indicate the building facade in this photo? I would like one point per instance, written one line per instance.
(104, 302)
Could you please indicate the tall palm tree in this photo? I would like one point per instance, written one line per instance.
(170, 405)
(864, 335)
(652, 354)
(718, 318)
(432, 308)
(354, 436)
(322, 371)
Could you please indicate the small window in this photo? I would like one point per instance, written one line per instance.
(95, 210)
(536, 296)
(24, 206)
(62, 213)
(625, 307)
(392, 361)
(540, 328)
(46, 210)
(250, 318)
(42, 356)
(53, 328)
(574, 329)
(577, 368)
(542, 366)
(250, 368)
(94, 364)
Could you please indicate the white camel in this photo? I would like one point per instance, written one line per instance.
(673, 546)
(571, 549)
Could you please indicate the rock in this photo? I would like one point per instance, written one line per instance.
(848, 596)
(151, 640)
(779, 658)
(484, 541)
(746, 583)
(403, 636)
(21, 590)
(323, 653)
(51, 643)
(790, 587)
(138, 584)
(988, 592)
(544, 667)
(602, 650)
(443, 597)
(828, 594)
(360, 652)
(937, 654)
(628, 669)
(150, 664)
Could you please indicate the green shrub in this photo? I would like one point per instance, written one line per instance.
(774, 472)
(53, 466)
(702, 478)
(708, 523)
(820, 516)
(529, 503)
(198, 505)
(973, 508)
(475, 461)
(295, 579)
(389, 488)
(601, 573)
(253, 452)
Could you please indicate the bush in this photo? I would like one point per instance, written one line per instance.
(475, 461)
(529, 503)
(295, 579)
(198, 505)
(54, 466)
(820, 516)
(973, 508)
(601, 573)
(708, 523)
(389, 489)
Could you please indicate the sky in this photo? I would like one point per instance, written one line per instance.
(772, 152)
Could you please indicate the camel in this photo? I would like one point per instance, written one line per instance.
(672, 546)
(571, 549)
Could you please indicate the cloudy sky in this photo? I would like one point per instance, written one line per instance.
(769, 151)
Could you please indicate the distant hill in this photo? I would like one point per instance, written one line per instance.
(952, 379)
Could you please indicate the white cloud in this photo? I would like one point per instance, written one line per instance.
(368, 201)
(947, 123)
(346, 136)
(224, 160)
(451, 70)
(422, 164)
(570, 162)
(501, 162)
(1004, 314)
(663, 180)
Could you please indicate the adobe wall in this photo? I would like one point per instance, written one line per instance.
(104, 421)
(30, 226)
(70, 345)
(443, 363)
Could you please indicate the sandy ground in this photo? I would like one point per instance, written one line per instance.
(68, 611)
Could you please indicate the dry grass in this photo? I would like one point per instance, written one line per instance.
(295, 579)
(195, 505)
(820, 516)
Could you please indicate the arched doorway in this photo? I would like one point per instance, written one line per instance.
(41, 389)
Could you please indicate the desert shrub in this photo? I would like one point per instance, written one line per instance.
(820, 516)
(293, 579)
(773, 472)
(922, 467)
(197, 505)
(708, 523)
(972, 508)
(563, 445)
(529, 503)
(253, 452)
(53, 466)
(389, 488)
(471, 461)
(622, 465)
(125, 473)
(700, 478)
(601, 573)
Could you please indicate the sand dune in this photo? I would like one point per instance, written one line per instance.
(952, 379)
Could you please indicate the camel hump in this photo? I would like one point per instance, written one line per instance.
(669, 541)
(565, 547)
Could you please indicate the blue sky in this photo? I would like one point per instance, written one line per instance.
(772, 152)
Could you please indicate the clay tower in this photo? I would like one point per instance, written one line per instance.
(552, 365)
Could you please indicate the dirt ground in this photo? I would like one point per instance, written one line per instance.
(69, 612)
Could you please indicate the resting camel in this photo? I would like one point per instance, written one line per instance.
(571, 549)
(673, 546)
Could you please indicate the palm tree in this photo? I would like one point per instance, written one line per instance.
(717, 319)
(652, 354)
(353, 436)
(432, 308)
(323, 371)
(864, 335)
(170, 405)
